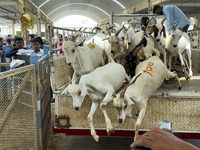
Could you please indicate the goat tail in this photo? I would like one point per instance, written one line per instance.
(155, 50)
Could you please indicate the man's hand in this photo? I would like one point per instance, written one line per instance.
(158, 139)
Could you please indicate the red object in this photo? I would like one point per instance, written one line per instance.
(118, 133)
(61, 52)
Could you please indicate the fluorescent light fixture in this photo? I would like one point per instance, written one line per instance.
(120, 4)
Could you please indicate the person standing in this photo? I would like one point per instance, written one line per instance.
(2, 54)
(174, 16)
(30, 38)
(8, 46)
(61, 43)
(19, 45)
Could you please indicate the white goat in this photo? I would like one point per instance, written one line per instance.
(84, 59)
(176, 43)
(150, 74)
(99, 85)
(129, 34)
(194, 40)
(160, 35)
(116, 48)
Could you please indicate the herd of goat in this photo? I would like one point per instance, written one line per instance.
(104, 62)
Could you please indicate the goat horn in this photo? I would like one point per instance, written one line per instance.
(109, 32)
(163, 20)
(116, 24)
(74, 38)
(173, 26)
(70, 80)
(154, 20)
(137, 50)
(81, 43)
(77, 80)
(105, 39)
(182, 28)
(110, 27)
(116, 34)
(80, 29)
(129, 20)
(136, 19)
(98, 28)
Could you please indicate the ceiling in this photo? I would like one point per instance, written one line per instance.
(97, 10)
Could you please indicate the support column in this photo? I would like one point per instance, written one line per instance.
(198, 21)
(9, 29)
(2, 31)
(38, 25)
(46, 30)
(13, 28)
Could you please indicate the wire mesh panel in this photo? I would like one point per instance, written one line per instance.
(45, 95)
(18, 109)
(184, 112)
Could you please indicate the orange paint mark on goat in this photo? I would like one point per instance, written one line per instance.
(91, 46)
(149, 68)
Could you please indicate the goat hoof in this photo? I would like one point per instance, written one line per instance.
(113, 131)
(96, 138)
(167, 81)
(179, 88)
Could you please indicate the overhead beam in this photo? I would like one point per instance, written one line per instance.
(8, 3)
(184, 4)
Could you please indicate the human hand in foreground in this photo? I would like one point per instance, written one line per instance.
(158, 139)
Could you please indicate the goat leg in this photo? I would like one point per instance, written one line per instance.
(90, 120)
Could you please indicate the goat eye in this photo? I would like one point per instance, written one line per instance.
(73, 50)
(125, 107)
(79, 92)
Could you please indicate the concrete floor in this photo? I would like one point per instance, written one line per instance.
(62, 142)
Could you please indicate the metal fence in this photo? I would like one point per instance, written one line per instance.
(18, 109)
(25, 98)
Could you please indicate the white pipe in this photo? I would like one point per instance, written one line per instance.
(44, 3)
(40, 10)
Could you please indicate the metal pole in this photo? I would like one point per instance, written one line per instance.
(133, 15)
(149, 7)
(112, 18)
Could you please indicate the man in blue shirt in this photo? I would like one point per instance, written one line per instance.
(42, 46)
(174, 16)
(8, 46)
(30, 38)
(2, 55)
(19, 45)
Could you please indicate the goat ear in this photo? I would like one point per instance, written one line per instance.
(83, 91)
(65, 91)
(114, 95)
(155, 29)
(164, 32)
